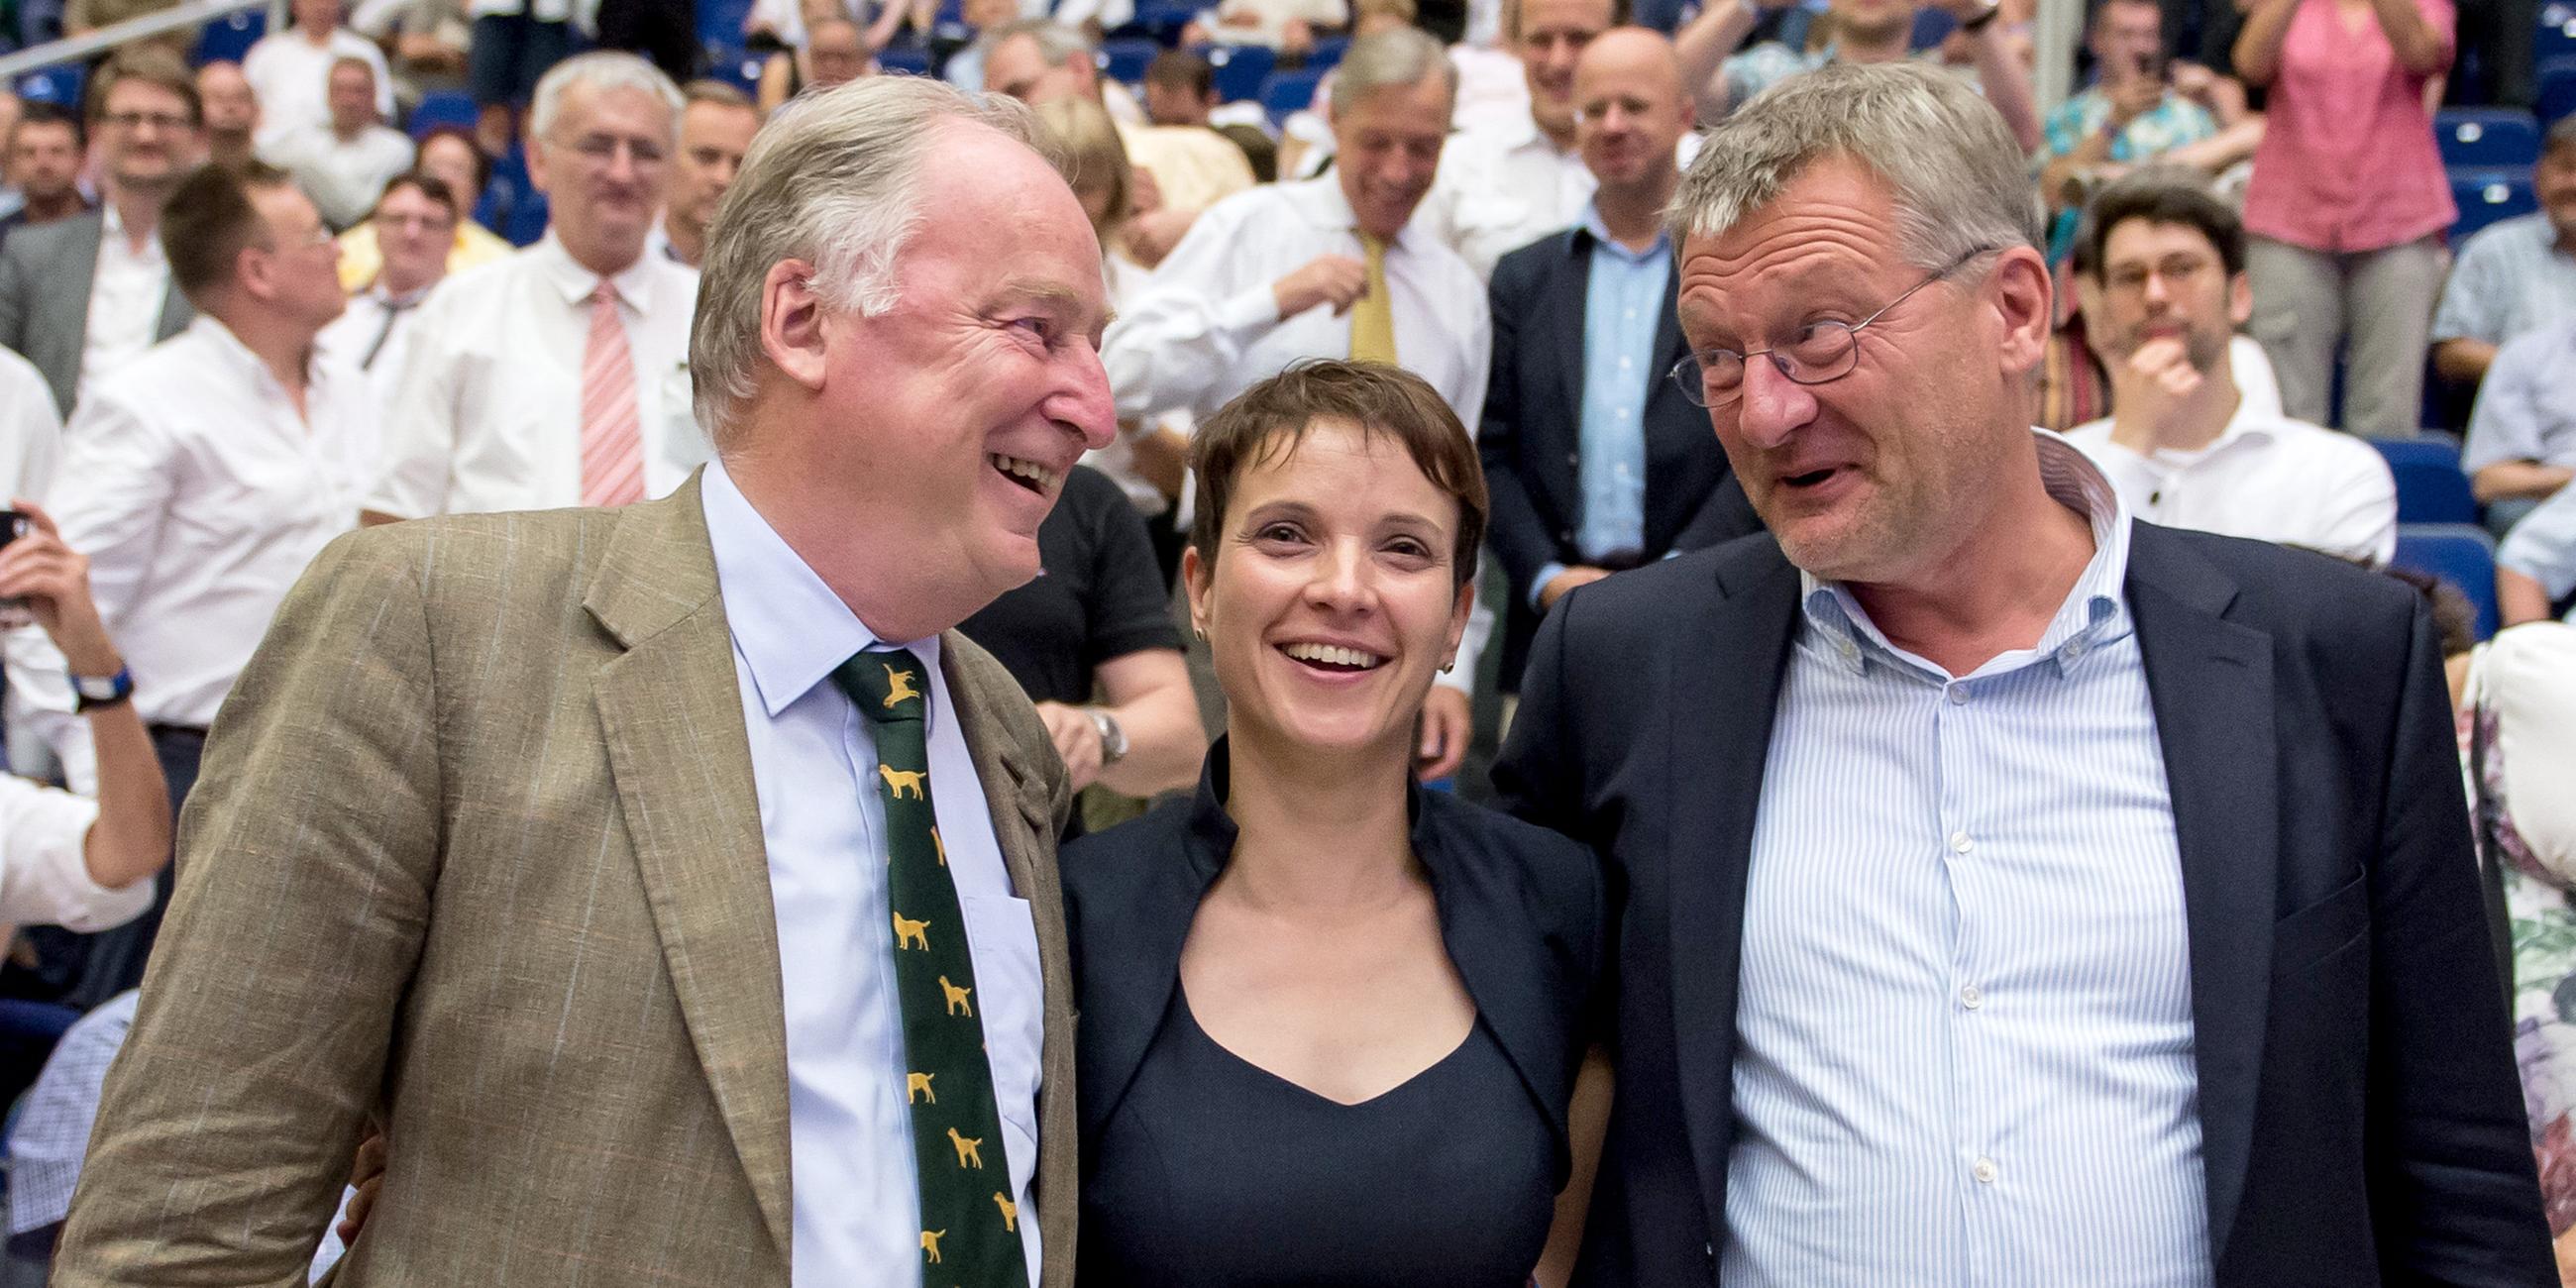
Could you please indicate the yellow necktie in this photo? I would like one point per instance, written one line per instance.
(1373, 318)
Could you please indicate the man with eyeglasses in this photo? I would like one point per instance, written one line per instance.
(84, 296)
(199, 481)
(2016, 893)
(559, 376)
(2164, 290)
(1595, 461)
(415, 227)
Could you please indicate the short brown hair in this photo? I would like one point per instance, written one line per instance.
(151, 65)
(716, 92)
(424, 183)
(1182, 70)
(210, 221)
(1272, 418)
(2159, 195)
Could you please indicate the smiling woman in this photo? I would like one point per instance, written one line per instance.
(1316, 990)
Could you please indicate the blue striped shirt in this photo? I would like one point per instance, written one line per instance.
(1964, 1032)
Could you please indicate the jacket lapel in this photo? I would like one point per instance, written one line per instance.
(1569, 283)
(672, 718)
(2210, 682)
(1719, 732)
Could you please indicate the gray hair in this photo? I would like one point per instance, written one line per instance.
(1394, 59)
(1957, 179)
(834, 180)
(1058, 44)
(601, 70)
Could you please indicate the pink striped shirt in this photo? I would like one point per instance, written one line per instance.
(2348, 161)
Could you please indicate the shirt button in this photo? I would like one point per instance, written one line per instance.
(1625, 363)
(1984, 1171)
(1958, 695)
(2073, 650)
(1959, 841)
(1971, 998)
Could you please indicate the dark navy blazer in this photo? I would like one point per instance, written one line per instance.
(2360, 1116)
(1521, 914)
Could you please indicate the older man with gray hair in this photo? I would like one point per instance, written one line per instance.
(2017, 893)
(670, 883)
(1328, 268)
(559, 376)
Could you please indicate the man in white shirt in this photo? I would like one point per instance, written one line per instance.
(68, 860)
(558, 842)
(344, 164)
(1331, 267)
(2167, 290)
(86, 295)
(290, 70)
(1505, 186)
(716, 125)
(560, 376)
(415, 225)
(202, 480)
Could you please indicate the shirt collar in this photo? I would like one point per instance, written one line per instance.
(789, 627)
(112, 236)
(2095, 612)
(1320, 201)
(228, 349)
(1600, 232)
(576, 283)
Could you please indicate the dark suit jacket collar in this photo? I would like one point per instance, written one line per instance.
(1484, 924)
(2209, 679)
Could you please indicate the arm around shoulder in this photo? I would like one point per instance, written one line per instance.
(304, 884)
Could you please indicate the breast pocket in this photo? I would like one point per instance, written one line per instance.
(2310, 935)
(1009, 989)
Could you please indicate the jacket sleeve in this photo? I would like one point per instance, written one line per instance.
(1176, 348)
(307, 857)
(2453, 1195)
(1515, 532)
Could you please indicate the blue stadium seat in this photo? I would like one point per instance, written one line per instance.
(2431, 488)
(735, 66)
(1327, 53)
(1162, 20)
(2489, 196)
(1240, 69)
(1124, 59)
(2557, 89)
(904, 62)
(2557, 35)
(2487, 138)
(58, 85)
(442, 107)
(720, 21)
(226, 39)
(1287, 92)
(2462, 554)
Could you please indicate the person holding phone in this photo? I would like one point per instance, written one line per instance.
(2130, 115)
(65, 859)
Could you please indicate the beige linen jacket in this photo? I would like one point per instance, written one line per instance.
(476, 853)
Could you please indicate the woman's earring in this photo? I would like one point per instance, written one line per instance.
(1199, 631)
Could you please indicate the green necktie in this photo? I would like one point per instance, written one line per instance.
(969, 1224)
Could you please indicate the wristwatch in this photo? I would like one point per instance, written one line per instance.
(90, 692)
(1113, 740)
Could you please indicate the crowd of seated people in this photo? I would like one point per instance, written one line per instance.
(250, 303)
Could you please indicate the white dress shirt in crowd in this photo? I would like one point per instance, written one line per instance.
(1207, 326)
(488, 416)
(2266, 477)
(1964, 1025)
(344, 177)
(126, 295)
(31, 432)
(199, 495)
(813, 761)
(44, 880)
(373, 337)
(292, 77)
(1502, 188)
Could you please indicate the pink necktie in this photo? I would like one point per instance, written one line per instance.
(612, 447)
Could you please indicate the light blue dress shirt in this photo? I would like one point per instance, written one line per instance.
(1623, 301)
(1964, 1027)
(813, 763)
(2511, 279)
(2526, 408)
(2543, 546)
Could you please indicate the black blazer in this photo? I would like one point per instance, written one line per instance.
(1521, 913)
(2360, 1114)
(1531, 435)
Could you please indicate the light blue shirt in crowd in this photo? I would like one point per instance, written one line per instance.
(2511, 279)
(813, 765)
(2526, 408)
(2543, 546)
(1623, 300)
(1964, 1026)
